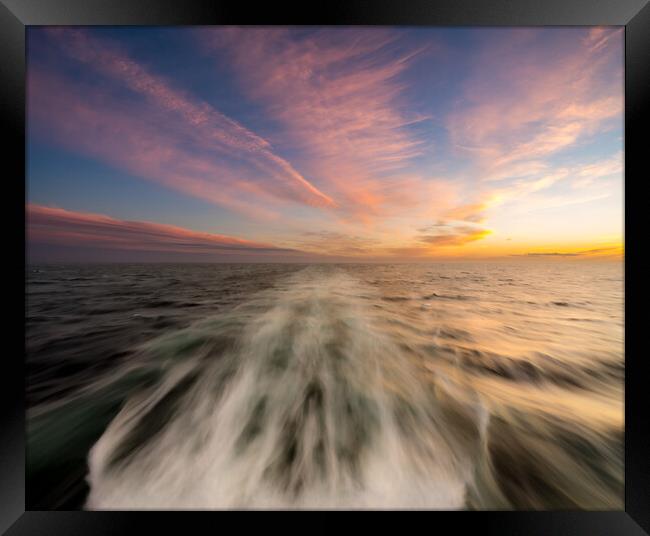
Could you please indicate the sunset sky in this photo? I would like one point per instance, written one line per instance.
(368, 144)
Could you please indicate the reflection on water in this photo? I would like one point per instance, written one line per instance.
(495, 386)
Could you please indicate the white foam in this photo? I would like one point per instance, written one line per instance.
(316, 322)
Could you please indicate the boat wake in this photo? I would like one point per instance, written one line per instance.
(294, 399)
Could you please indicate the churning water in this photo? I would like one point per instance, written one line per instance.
(444, 386)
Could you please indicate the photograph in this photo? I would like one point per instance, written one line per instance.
(325, 267)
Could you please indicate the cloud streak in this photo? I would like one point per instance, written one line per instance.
(337, 244)
(617, 250)
(443, 234)
(538, 99)
(57, 226)
(339, 96)
(224, 156)
(542, 98)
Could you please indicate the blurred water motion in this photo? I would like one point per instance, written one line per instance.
(479, 385)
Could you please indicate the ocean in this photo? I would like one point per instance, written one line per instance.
(440, 386)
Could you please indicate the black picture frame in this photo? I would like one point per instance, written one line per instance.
(16, 15)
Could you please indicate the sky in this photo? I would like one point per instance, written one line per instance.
(316, 144)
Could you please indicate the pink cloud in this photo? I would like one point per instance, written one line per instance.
(334, 243)
(339, 96)
(524, 102)
(139, 138)
(471, 212)
(445, 233)
(57, 226)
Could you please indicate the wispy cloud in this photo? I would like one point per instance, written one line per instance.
(339, 96)
(451, 234)
(588, 175)
(152, 137)
(589, 182)
(473, 212)
(337, 244)
(616, 250)
(539, 99)
(57, 226)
